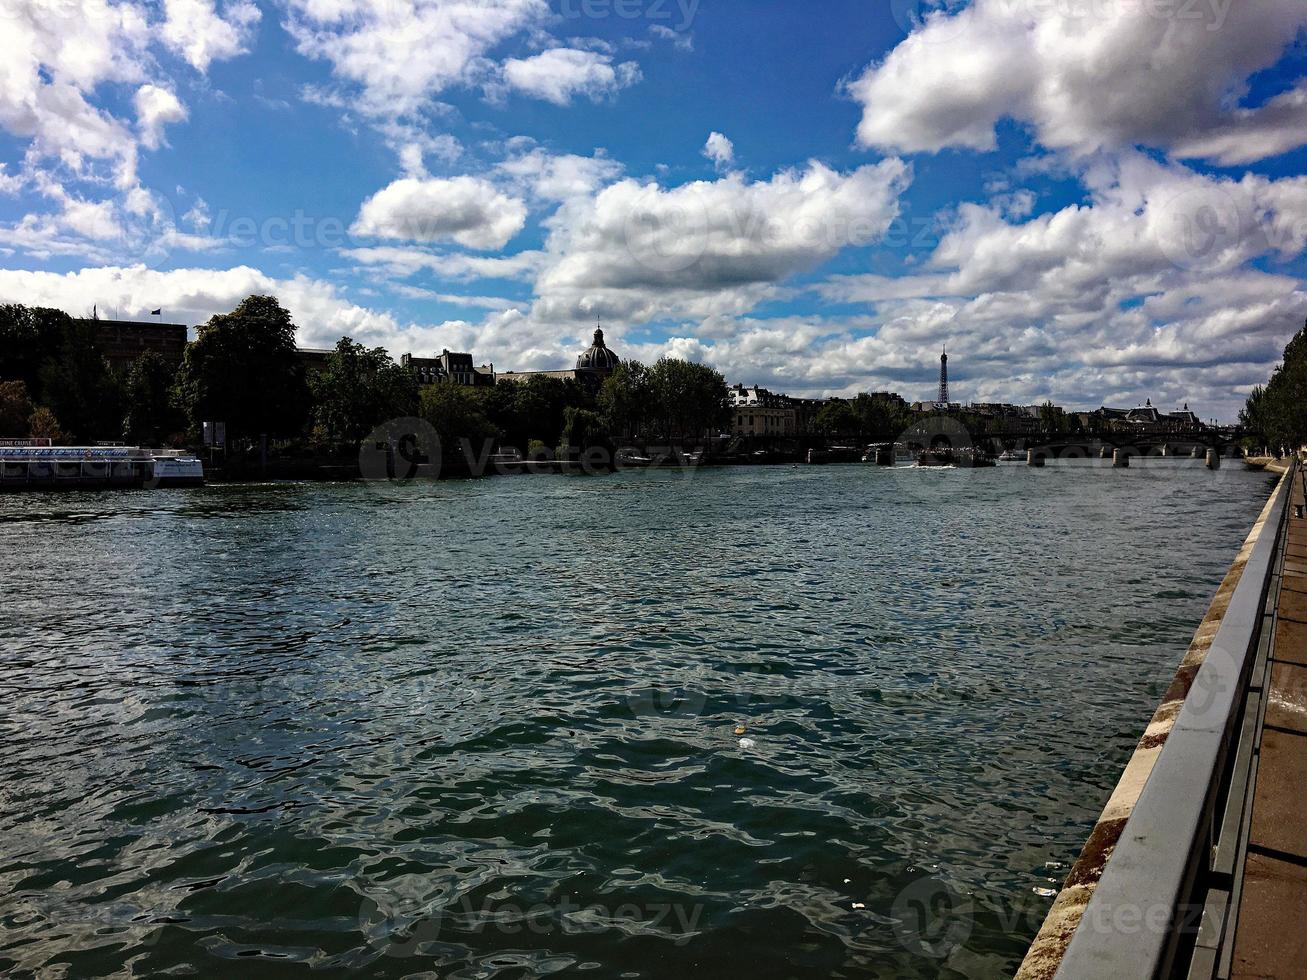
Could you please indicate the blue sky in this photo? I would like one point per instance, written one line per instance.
(1088, 200)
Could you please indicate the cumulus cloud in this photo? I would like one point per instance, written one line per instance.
(720, 150)
(1088, 76)
(557, 178)
(195, 30)
(55, 56)
(60, 65)
(156, 107)
(637, 250)
(559, 75)
(406, 261)
(466, 210)
(193, 295)
(401, 56)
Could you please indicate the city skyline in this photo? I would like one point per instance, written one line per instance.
(494, 177)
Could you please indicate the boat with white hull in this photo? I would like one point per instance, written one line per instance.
(96, 467)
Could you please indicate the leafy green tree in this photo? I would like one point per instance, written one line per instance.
(1276, 414)
(585, 429)
(1253, 418)
(76, 382)
(1053, 420)
(15, 409)
(879, 419)
(242, 369)
(627, 399)
(457, 413)
(541, 407)
(358, 389)
(29, 338)
(837, 419)
(43, 425)
(691, 400)
(151, 413)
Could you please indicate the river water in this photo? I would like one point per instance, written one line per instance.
(489, 729)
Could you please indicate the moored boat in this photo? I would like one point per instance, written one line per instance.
(38, 467)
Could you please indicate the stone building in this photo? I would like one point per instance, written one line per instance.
(1147, 420)
(313, 359)
(759, 413)
(449, 368)
(124, 341)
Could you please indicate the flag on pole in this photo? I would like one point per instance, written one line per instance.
(158, 312)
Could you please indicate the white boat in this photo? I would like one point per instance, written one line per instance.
(177, 470)
(40, 467)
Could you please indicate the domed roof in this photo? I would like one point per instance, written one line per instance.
(598, 357)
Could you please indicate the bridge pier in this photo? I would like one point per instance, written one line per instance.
(1105, 452)
(1120, 460)
(1213, 459)
(1197, 453)
(1035, 458)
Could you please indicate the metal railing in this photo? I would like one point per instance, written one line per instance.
(1144, 917)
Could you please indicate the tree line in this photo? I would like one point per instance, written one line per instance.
(243, 369)
(1275, 415)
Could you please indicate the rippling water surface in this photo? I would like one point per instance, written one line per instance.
(489, 729)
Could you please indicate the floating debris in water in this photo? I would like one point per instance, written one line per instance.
(859, 905)
(1053, 865)
(1045, 892)
(747, 743)
(739, 729)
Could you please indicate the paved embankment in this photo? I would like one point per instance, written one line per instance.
(1269, 899)
(1048, 954)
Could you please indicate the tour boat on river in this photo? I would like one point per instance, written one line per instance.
(36, 467)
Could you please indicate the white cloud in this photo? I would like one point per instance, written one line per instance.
(135, 225)
(402, 55)
(560, 178)
(52, 58)
(1087, 77)
(60, 64)
(720, 150)
(682, 39)
(402, 262)
(561, 74)
(638, 251)
(194, 30)
(156, 107)
(193, 295)
(466, 210)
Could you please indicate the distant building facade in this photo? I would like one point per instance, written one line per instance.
(449, 368)
(759, 413)
(1146, 420)
(313, 359)
(124, 341)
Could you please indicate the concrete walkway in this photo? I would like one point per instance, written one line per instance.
(1270, 939)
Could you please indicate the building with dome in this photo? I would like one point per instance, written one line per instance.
(598, 358)
(593, 366)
